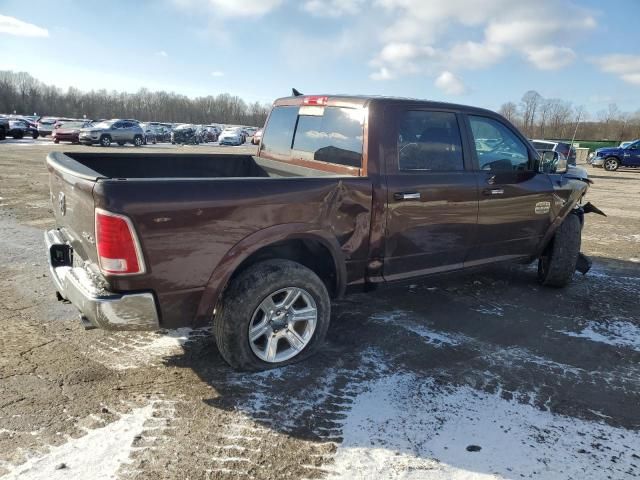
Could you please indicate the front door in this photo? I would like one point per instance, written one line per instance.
(631, 155)
(432, 196)
(515, 199)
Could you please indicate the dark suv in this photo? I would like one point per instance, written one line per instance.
(113, 131)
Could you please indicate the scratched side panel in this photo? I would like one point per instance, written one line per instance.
(186, 227)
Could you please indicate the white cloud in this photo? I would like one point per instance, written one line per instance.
(472, 55)
(162, 53)
(625, 66)
(13, 26)
(450, 83)
(549, 57)
(333, 8)
(540, 32)
(246, 8)
(217, 73)
(382, 74)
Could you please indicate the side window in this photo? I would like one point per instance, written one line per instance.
(334, 136)
(497, 147)
(429, 141)
(117, 125)
(278, 134)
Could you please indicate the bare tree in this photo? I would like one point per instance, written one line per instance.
(509, 110)
(530, 103)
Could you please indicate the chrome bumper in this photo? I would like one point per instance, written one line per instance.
(98, 307)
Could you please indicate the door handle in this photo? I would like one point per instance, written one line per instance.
(406, 196)
(493, 191)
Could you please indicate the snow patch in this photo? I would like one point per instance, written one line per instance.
(432, 337)
(97, 456)
(126, 350)
(405, 428)
(617, 333)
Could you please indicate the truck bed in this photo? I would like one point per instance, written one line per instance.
(95, 166)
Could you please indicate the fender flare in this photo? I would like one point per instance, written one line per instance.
(249, 245)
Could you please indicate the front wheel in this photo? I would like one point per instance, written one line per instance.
(274, 313)
(105, 141)
(558, 262)
(18, 135)
(138, 141)
(611, 164)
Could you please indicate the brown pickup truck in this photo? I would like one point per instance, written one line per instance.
(346, 193)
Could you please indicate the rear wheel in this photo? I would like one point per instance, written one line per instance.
(105, 140)
(274, 313)
(558, 262)
(3, 133)
(611, 164)
(35, 134)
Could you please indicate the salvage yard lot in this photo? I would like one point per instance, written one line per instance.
(479, 375)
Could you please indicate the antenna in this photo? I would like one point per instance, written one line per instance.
(575, 132)
(295, 92)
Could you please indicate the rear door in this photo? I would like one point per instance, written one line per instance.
(515, 199)
(432, 199)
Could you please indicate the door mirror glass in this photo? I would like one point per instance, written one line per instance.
(552, 162)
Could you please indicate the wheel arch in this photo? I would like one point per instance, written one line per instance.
(305, 244)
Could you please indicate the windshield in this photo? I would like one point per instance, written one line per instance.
(106, 124)
(72, 125)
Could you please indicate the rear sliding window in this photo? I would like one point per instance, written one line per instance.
(326, 134)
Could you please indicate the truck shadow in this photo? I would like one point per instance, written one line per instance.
(495, 336)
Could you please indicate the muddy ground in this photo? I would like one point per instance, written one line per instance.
(485, 375)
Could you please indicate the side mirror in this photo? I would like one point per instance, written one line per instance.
(552, 162)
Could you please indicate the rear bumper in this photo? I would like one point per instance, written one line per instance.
(99, 308)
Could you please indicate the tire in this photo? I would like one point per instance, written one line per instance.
(18, 135)
(3, 134)
(558, 262)
(35, 135)
(138, 141)
(242, 307)
(611, 164)
(56, 141)
(105, 141)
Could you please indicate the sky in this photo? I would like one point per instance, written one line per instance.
(476, 52)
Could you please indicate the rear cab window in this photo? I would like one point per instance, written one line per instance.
(324, 137)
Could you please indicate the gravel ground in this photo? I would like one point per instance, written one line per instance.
(484, 375)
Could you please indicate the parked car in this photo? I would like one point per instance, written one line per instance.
(232, 136)
(186, 134)
(110, 131)
(564, 149)
(210, 133)
(4, 127)
(262, 243)
(612, 158)
(46, 124)
(255, 140)
(69, 131)
(20, 128)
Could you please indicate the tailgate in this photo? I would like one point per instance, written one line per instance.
(73, 207)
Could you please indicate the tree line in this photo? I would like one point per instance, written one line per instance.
(536, 116)
(554, 118)
(23, 94)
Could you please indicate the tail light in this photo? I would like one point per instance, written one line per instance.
(119, 251)
(315, 100)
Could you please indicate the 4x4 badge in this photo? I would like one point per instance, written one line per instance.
(542, 207)
(62, 203)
